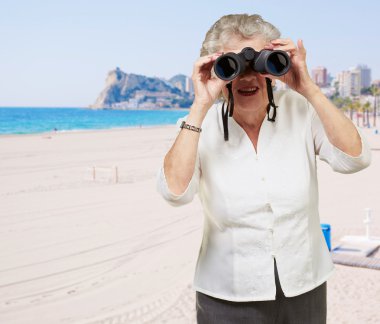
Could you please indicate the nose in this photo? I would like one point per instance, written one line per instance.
(249, 75)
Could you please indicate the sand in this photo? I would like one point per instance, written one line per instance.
(78, 250)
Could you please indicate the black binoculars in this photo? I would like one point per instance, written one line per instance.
(228, 66)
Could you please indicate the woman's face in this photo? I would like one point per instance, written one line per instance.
(249, 89)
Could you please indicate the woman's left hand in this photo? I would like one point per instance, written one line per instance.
(297, 77)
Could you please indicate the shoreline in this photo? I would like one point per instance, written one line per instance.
(119, 128)
(52, 107)
(85, 131)
(366, 130)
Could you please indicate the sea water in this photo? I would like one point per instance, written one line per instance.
(39, 120)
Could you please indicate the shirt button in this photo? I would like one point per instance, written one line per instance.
(263, 179)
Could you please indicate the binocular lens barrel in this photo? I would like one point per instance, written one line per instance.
(277, 63)
(228, 66)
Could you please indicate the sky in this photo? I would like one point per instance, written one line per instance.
(58, 53)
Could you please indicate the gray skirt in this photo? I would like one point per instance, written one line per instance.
(310, 308)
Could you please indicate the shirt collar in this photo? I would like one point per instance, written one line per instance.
(238, 138)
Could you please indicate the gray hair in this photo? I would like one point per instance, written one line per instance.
(244, 25)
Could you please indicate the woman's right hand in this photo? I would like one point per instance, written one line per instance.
(180, 161)
(206, 86)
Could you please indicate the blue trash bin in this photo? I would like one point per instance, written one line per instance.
(326, 229)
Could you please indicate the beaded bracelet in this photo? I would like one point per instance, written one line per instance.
(190, 127)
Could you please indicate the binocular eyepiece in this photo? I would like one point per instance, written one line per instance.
(230, 65)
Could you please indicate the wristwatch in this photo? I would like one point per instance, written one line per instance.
(190, 127)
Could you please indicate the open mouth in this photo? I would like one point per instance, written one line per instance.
(248, 91)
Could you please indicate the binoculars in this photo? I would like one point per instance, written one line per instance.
(230, 65)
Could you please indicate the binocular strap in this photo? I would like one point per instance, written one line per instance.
(228, 110)
(271, 101)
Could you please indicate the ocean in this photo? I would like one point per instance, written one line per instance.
(40, 120)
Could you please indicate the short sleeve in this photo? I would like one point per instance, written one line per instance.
(338, 160)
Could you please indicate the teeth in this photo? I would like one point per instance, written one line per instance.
(248, 89)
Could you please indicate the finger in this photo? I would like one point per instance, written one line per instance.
(287, 48)
(301, 47)
(268, 46)
(281, 41)
(203, 66)
(220, 83)
(206, 59)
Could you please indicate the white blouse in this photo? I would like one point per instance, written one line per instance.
(262, 205)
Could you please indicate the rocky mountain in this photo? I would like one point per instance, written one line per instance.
(133, 91)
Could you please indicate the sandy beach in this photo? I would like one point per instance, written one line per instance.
(86, 238)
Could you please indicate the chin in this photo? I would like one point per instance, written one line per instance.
(246, 102)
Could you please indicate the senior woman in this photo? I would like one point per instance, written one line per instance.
(263, 258)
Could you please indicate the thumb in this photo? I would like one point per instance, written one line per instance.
(221, 83)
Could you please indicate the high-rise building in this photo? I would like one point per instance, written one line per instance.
(189, 87)
(344, 83)
(349, 83)
(365, 75)
(319, 76)
(355, 82)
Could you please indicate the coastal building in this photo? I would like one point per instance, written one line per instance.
(343, 79)
(330, 79)
(189, 85)
(179, 84)
(355, 82)
(365, 75)
(133, 103)
(349, 83)
(320, 76)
